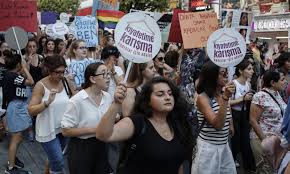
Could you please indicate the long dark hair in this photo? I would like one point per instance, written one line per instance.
(242, 66)
(176, 118)
(208, 79)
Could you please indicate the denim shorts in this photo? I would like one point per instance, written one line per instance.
(17, 116)
(53, 150)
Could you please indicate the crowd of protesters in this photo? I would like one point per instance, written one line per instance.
(72, 100)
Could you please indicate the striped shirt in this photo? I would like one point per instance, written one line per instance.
(211, 135)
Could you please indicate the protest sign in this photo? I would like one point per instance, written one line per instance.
(138, 37)
(226, 47)
(60, 29)
(197, 27)
(64, 18)
(22, 13)
(49, 31)
(16, 38)
(86, 29)
(77, 69)
(175, 33)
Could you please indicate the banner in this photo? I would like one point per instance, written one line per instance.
(226, 47)
(48, 17)
(86, 29)
(175, 33)
(197, 27)
(22, 14)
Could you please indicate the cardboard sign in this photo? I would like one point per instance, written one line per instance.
(77, 68)
(175, 33)
(22, 13)
(86, 29)
(197, 27)
(138, 37)
(226, 47)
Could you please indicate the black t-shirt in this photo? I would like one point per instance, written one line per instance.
(2, 72)
(36, 71)
(14, 87)
(153, 154)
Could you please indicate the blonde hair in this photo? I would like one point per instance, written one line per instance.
(74, 45)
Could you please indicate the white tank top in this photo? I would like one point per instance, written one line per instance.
(47, 124)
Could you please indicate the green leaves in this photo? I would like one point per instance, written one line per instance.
(149, 5)
(58, 5)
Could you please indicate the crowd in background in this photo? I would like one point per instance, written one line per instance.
(72, 99)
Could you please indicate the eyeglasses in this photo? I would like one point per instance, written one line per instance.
(82, 48)
(160, 58)
(104, 74)
(224, 73)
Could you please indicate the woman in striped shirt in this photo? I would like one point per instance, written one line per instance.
(213, 154)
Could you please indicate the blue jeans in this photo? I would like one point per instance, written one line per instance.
(53, 151)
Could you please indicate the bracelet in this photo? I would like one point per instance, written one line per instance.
(45, 104)
(225, 98)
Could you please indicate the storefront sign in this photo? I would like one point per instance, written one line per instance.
(138, 37)
(272, 23)
(226, 47)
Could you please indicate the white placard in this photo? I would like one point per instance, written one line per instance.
(138, 37)
(60, 29)
(64, 17)
(48, 30)
(226, 47)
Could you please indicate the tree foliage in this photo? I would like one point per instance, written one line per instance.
(58, 5)
(145, 5)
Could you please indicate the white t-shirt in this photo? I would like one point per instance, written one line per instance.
(112, 86)
(82, 112)
(241, 90)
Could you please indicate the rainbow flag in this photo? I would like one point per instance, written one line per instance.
(109, 18)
